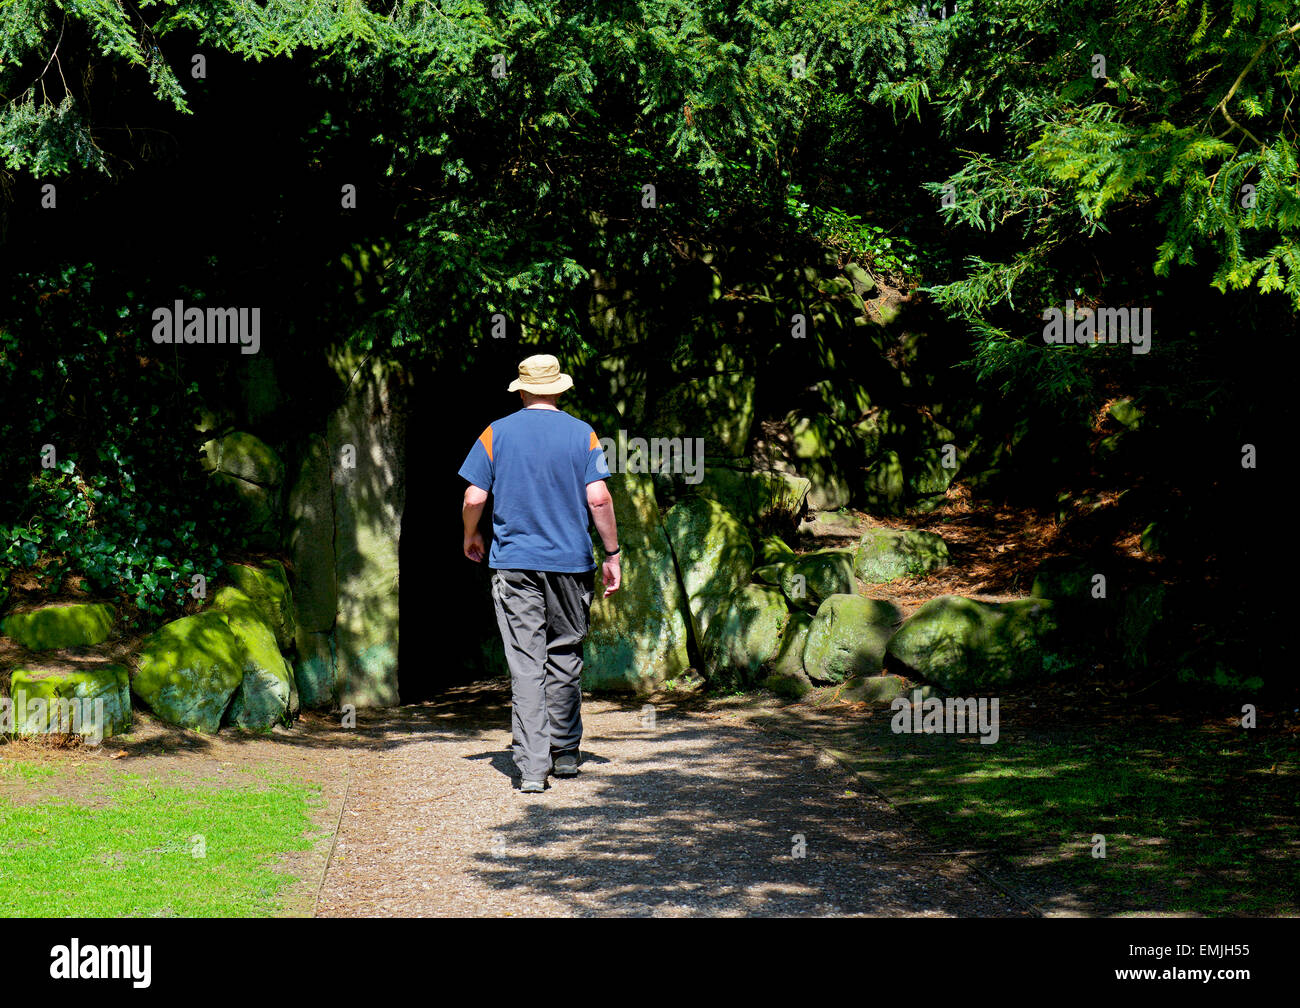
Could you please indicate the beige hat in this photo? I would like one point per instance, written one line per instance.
(540, 375)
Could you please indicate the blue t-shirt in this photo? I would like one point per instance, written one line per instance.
(537, 464)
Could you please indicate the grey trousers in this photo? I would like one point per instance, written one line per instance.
(543, 620)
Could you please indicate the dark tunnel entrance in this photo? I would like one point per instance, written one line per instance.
(447, 633)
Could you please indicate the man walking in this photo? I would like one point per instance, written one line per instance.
(546, 471)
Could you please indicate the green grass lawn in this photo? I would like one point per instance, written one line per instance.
(127, 846)
(1197, 818)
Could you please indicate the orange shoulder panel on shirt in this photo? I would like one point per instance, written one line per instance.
(486, 438)
(595, 441)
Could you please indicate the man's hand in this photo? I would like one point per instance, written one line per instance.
(612, 573)
(471, 511)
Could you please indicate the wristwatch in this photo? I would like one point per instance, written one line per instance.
(614, 552)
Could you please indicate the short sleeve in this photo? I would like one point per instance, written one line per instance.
(597, 463)
(478, 468)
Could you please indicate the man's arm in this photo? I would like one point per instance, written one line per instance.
(601, 506)
(470, 513)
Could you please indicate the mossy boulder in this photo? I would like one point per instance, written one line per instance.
(61, 700)
(884, 488)
(934, 456)
(821, 447)
(809, 579)
(264, 694)
(786, 676)
(76, 624)
(884, 554)
(743, 637)
(773, 549)
(755, 497)
(189, 669)
(816, 436)
(881, 689)
(1065, 579)
(848, 637)
(713, 554)
(870, 432)
(718, 407)
(244, 456)
(862, 281)
(638, 636)
(928, 476)
(313, 669)
(963, 644)
(267, 587)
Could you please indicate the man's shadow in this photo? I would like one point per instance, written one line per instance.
(503, 761)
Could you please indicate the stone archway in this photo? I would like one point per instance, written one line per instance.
(390, 611)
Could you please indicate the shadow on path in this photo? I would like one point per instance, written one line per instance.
(695, 814)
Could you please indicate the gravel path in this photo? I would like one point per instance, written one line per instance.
(697, 814)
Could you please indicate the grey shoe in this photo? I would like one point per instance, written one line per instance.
(565, 765)
(532, 786)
